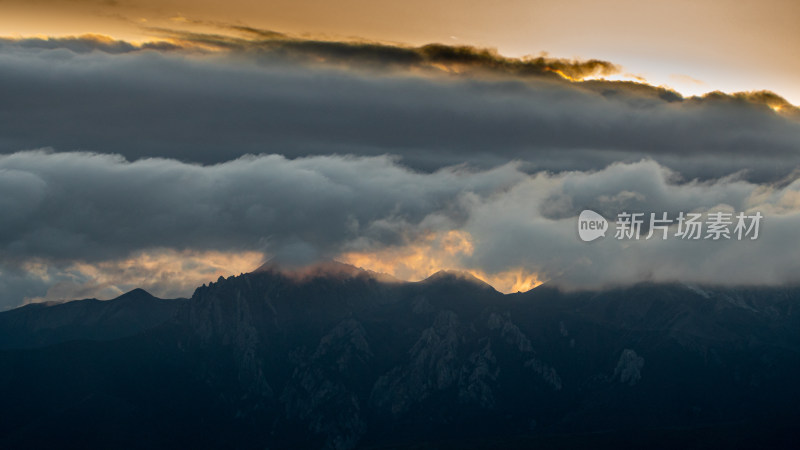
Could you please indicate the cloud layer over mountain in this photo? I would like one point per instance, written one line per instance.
(405, 159)
(60, 208)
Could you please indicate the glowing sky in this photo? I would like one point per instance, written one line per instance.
(693, 46)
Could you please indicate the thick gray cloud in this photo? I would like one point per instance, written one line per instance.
(95, 209)
(59, 205)
(60, 208)
(264, 96)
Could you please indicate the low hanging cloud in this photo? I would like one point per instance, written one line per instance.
(81, 217)
(101, 206)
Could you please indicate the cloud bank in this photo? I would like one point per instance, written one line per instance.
(63, 209)
(165, 164)
(433, 106)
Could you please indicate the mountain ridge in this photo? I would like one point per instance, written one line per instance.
(42, 324)
(350, 361)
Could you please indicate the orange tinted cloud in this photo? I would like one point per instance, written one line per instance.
(171, 273)
(435, 252)
(163, 272)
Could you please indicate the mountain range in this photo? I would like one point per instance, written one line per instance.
(331, 356)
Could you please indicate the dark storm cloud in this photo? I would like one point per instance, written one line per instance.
(58, 205)
(272, 94)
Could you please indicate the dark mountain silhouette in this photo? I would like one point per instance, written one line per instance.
(42, 324)
(331, 356)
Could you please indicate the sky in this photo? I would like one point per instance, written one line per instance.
(164, 144)
(693, 46)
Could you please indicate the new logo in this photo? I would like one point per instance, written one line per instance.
(591, 225)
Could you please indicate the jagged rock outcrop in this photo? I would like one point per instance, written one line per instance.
(629, 367)
(336, 357)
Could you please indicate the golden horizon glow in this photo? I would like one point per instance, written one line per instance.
(435, 252)
(162, 272)
(171, 273)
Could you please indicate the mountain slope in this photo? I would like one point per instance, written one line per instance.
(43, 324)
(344, 358)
